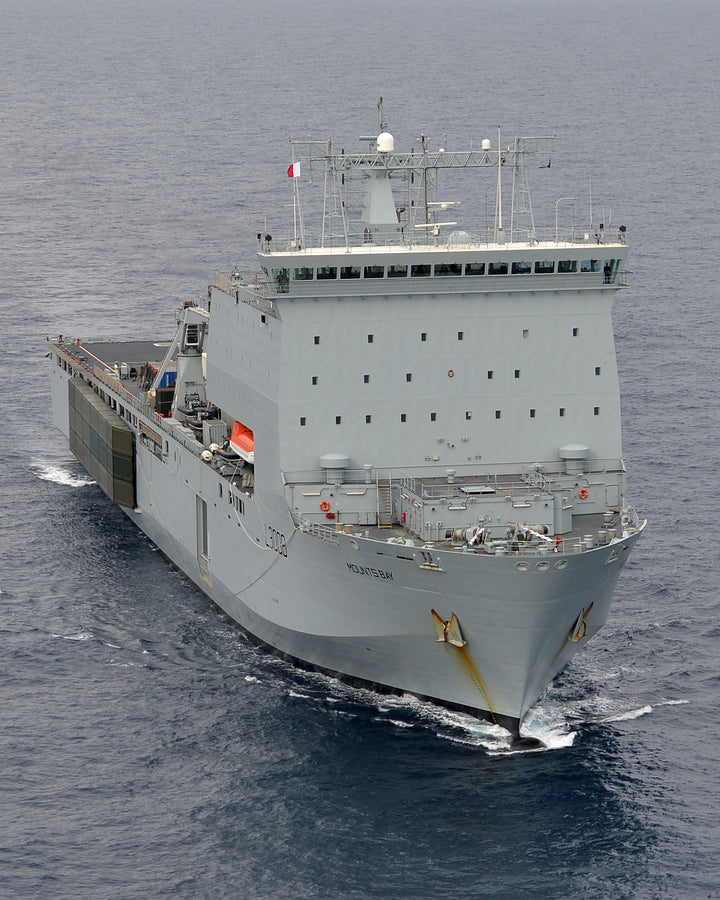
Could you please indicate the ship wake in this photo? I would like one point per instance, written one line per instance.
(61, 475)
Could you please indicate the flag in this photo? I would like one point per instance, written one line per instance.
(294, 170)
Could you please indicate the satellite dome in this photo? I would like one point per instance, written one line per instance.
(385, 142)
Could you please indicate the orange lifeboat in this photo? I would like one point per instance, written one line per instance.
(242, 441)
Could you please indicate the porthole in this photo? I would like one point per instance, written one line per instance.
(522, 567)
(561, 564)
(542, 566)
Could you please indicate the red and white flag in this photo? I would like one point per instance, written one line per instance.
(294, 170)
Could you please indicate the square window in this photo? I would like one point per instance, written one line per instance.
(423, 336)
(561, 411)
(460, 335)
(403, 417)
(526, 332)
(517, 373)
(490, 374)
(532, 413)
(498, 413)
(374, 271)
(576, 332)
(314, 379)
(302, 420)
(433, 417)
(468, 414)
(597, 370)
(596, 410)
(368, 420)
(338, 420)
(317, 338)
(366, 379)
(370, 338)
(408, 376)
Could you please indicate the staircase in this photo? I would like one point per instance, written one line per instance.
(384, 505)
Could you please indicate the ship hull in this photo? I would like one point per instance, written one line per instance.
(362, 609)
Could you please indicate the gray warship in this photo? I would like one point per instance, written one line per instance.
(352, 452)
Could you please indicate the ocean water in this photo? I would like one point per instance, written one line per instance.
(146, 749)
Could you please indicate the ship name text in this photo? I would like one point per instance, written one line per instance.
(368, 570)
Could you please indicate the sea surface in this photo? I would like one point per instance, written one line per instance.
(146, 749)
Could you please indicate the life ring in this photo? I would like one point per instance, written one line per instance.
(582, 493)
(325, 506)
(451, 374)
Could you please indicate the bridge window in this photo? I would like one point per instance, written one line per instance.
(349, 271)
(610, 270)
(282, 279)
(589, 265)
(474, 268)
(420, 271)
(397, 271)
(374, 271)
(303, 273)
(521, 268)
(544, 267)
(448, 268)
(325, 273)
(565, 266)
(497, 268)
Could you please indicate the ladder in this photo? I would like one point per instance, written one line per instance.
(384, 504)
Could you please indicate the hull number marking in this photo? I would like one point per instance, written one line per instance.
(275, 540)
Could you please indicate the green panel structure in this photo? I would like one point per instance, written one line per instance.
(103, 443)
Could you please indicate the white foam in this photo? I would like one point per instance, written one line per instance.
(59, 475)
(298, 696)
(80, 636)
(630, 714)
